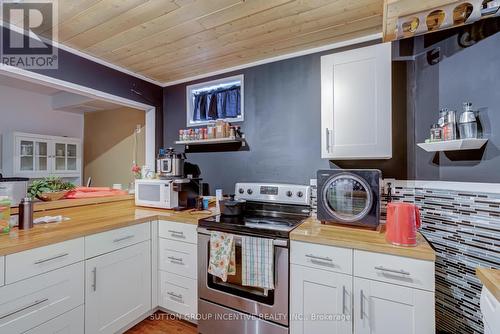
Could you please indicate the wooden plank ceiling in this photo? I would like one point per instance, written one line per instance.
(169, 40)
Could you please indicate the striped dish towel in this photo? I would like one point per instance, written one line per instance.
(257, 262)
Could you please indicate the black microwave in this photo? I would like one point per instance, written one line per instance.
(349, 196)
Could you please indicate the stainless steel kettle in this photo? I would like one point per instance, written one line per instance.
(172, 164)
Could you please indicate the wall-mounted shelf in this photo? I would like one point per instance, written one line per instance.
(453, 145)
(213, 145)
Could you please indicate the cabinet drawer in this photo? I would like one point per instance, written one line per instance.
(71, 322)
(178, 257)
(106, 242)
(2, 270)
(394, 269)
(178, 231)
(179, 294)
(322, 257)
(40, 260)
(31, 302)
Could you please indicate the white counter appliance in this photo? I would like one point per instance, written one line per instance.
(15, 188)
(156, 194)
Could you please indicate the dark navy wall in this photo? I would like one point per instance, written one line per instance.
(81, 71)
(282, 125)
(470, 74)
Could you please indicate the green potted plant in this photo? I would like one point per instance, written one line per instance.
(49, 189)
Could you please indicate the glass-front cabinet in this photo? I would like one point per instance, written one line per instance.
(32, 156)
(66, 157)
(37, 156)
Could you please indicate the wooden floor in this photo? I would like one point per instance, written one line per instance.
(162, 323)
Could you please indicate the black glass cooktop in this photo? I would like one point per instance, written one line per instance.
(257, 225)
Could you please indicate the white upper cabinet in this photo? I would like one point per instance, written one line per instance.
(356, 104)
(37, 156)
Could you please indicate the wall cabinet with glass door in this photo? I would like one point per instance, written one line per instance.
(37, 156)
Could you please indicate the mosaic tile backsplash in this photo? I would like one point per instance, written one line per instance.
(464, 229)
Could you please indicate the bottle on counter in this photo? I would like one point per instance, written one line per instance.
(25, 214)
(4, 214)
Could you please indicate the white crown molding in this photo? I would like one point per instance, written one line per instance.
(327, 47)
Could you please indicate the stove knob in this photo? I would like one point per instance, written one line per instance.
(249, 191)
(241, 190)
(300, 194)
(289, 193)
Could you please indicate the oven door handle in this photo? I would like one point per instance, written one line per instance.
(276, 242)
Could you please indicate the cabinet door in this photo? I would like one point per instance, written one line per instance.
(382, 308)
(31, 157)
(67, 157)
(356, 104)
(320, 301)
(118, 288)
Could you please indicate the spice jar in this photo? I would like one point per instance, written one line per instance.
(436, 133)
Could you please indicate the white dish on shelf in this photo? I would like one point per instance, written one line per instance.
(453, 145)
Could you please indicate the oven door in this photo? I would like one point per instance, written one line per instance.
(232, 294)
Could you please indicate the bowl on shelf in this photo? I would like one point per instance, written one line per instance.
(52, 196)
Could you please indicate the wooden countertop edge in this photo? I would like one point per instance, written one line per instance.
(490, 279)
(61, 236)
(72, 203)
(389, 250)
(422, 252)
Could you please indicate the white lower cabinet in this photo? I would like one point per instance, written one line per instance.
(377, 294)
(34, 301)
(178, 268)
(321, 301)
(179, 294)
(384, 308)
(68, 323)
(117, 288)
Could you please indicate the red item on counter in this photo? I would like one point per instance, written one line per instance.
(403, 221)
(93, 192)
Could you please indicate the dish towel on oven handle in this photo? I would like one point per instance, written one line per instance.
(222, 255)
(257, 262)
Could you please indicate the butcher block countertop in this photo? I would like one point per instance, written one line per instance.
(313, 231)
(89, 219)
(490, 279)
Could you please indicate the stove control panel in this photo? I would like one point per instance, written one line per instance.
(274, 193)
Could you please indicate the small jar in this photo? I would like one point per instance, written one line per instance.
(436, 133)
(181, 135)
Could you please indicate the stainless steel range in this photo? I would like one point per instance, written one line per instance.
(272, 211)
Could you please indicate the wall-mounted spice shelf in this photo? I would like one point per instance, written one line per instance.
(453, 145)
(213, 145)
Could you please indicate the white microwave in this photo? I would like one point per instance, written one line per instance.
(156, 194)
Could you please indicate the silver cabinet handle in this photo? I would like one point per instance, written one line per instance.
(94, 281)
(177, 234)
(343, 299)
(402, 272)
(175, 295)
(175, 259)
(320, 258)
(327, 140)
(35, 303)
(58, 256)
(361, 304)
(124, 238)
